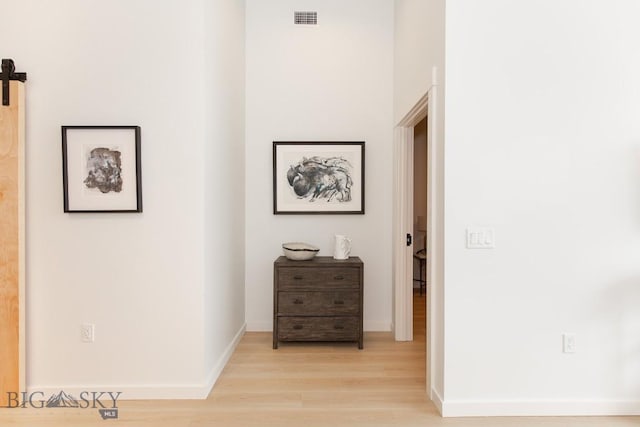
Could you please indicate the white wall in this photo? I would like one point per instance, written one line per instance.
(224, 82)
(328, 83)
(139, 277)
(419, 46)
(543, 145)
(419, 60)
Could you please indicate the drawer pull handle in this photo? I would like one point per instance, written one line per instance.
(297, 277)
(338, 302)
(338, 277)
(298, 301)
(338, 327)
(298, 327)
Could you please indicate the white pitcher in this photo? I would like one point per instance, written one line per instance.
(342, 248)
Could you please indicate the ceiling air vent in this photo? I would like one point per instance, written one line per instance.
(305, 18)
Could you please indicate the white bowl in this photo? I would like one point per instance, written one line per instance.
(299, 251)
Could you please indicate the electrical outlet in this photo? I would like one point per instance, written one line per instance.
(568, 343)
(87, 332)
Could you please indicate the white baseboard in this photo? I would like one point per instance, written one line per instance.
(148, 392)
(223, 360)
(127, 392)
(436, 399)
(260, 326)
(526, 408)
(377, 326)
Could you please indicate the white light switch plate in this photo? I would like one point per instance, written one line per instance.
(480, 238)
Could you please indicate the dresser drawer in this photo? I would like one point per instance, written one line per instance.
(318, 329)
(291, 278)
(318, 303)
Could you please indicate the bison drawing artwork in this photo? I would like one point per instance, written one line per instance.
(318, 177)
(104, 170)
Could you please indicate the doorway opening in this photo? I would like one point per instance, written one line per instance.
(420, 198)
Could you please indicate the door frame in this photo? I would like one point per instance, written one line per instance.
(403, 223)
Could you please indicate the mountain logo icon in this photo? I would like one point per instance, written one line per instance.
(62, 400)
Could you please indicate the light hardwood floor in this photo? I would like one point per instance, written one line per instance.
(306, 385)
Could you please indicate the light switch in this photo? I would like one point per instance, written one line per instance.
(480, 238)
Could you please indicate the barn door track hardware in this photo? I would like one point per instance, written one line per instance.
(8, 74)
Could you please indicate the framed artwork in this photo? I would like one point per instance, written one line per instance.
(101, 169)
(318, 177)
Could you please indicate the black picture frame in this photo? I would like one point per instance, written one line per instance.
(318, 177)
(101, 169)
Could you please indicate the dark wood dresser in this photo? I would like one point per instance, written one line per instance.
(317, 300)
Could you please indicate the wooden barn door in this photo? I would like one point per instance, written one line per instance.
(12, 254)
